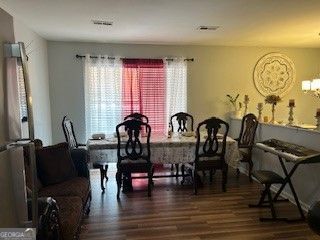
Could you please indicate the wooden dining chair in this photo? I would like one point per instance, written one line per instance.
(184, 120)
(75, 147)
(245, 140)
(133, 156)
(137, 116)
(210, 154)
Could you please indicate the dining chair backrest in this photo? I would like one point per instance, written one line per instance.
(137, 116)
(182, 119)
(68, 131)
(248, 129)
(132, 148)
(214, 144)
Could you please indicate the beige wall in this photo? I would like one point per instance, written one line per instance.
(36, 48)
(215, 72)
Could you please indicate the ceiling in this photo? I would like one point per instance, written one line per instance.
(277, 23)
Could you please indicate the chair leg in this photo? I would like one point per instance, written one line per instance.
(106, 171)
(195, 184)
(250, 169)
(238, 173)
(177, 170)
(261, 200)
(127, 182)
(224, 178)
(149, 182)
(102, 175)
(119, 181)
(183, 174)
(172, 167)
(212, 172)
(273, 212)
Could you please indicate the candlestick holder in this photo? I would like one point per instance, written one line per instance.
(259, 108)
(273, 109)
(246, 102)
(290, 118)
(318, 122)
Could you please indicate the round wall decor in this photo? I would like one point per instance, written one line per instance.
(275, 74)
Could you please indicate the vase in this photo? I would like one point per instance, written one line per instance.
(236, 114)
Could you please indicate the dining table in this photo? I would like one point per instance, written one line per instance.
(178, 149)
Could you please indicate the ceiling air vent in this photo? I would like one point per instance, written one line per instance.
(101, 22)
(208, 28)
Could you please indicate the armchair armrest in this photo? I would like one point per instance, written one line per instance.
(79, 157)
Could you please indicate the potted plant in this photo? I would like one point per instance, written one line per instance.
(236, 113)
(273, 100)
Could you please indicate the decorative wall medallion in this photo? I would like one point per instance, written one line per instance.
(275, 74)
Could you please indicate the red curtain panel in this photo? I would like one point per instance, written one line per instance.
(144, 90)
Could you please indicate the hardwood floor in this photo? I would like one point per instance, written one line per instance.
(173, 212)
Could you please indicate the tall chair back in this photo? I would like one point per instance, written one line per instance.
(183, 119)
(68, 131)
(137, 116)
(249, 126)
(247, 134)
(133, 148)
(212, 148)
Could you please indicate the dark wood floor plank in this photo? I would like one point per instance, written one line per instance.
(173, 212)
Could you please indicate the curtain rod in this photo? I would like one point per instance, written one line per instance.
(112, 58)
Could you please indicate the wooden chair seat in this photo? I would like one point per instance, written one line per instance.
(137, 167)
(268, 177)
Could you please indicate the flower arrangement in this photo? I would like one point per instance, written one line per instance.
(233, 101)
(273, 100)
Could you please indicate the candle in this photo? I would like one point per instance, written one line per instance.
(265, 119)
(318, 112)
(246, 98)
(291, 103)
(260, 105)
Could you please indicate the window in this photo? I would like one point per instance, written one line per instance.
(102, 95)
(144, 90)
(115, 88)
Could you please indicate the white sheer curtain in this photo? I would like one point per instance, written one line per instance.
(103, 79)
(176, 75)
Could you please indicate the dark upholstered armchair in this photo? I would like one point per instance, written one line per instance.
(63, 176)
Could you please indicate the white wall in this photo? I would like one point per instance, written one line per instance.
(215, 72)
(36, 48)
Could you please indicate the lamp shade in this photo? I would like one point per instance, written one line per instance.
(315, 84)
(306, 85)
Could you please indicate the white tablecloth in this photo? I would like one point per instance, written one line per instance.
(177, 149)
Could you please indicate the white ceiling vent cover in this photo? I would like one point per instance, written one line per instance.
(208, 28)
(102, 22)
